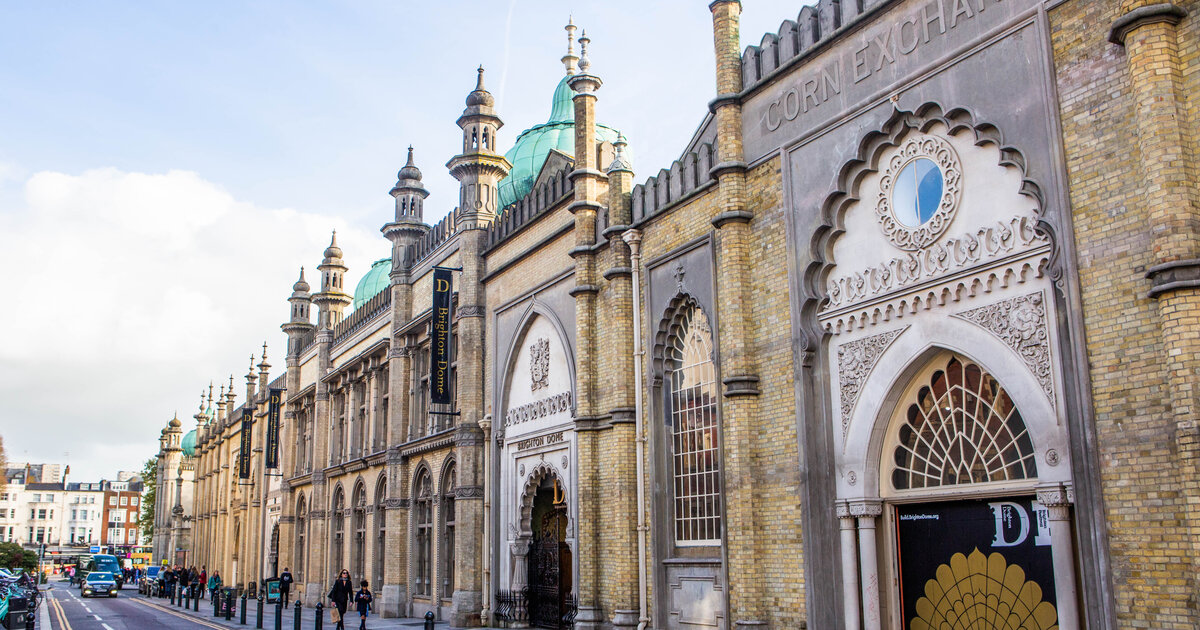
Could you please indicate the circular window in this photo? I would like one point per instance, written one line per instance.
(917, 192)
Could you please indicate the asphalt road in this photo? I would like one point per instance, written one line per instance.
(127, 611)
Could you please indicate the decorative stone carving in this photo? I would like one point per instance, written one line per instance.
(866, 508)
(1056, 496)
(679, 274)
(521, 470)
(1020, 323)
(565, 461)
(912, 238)
(538, 409)
(469, 492)
(470, 310)
(954, 253)
(316, 514)
(539, 364)
(1052, 457)
(855, 360)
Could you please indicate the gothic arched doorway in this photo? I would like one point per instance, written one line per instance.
(549, 566)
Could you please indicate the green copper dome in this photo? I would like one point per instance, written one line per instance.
(375, 281)
(532, 147)
(189, 444)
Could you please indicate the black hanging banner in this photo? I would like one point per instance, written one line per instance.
(439, 376)
(272, 454)
(244, 455)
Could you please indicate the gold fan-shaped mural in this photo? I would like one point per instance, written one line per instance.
(977, 592)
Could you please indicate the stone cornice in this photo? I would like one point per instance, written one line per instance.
(1152, 14)
(1175, 275)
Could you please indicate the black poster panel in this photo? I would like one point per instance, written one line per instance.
(272, 454)
(244, 455)
(439, 376)
(969, 564)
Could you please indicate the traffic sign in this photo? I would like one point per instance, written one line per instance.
(94, 549)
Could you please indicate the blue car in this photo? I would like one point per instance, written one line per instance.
(99, 583)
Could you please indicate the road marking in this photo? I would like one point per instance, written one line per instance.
(106, 626)
(97, 617)
(180, 615)
(63, 624)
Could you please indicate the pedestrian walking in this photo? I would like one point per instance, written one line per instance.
(362, 602)
(339, 596)
(214, 583)
(285, 586)
(203, 580)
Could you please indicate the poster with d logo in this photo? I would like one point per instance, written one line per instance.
(976, 564)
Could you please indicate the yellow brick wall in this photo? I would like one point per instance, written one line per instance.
(1149, 546)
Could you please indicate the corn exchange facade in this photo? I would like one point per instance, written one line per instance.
(906, 337)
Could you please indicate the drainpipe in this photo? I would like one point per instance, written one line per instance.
(485, 610)
(634, 239)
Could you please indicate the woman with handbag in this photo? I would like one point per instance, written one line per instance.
(339, 597)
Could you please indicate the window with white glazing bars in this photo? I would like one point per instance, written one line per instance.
(694, 432)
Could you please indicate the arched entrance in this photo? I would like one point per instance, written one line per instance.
(549, 566)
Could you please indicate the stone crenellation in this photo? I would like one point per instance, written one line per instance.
(814, 25)
(686, 176)
(542, 198)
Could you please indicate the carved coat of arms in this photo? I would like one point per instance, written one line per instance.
(539, 364)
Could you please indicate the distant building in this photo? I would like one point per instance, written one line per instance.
(122, 503)
(171, 540)
(57, 513)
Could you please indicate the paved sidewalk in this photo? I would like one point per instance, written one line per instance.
(307, 617)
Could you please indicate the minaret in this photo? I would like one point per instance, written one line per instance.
(264, 370)
(299, 325)
(332, 299)
(571, 60)
(478, 168)
(251, 379)
(408, 228)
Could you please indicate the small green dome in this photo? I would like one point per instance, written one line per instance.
(189, 444)
(375, 281)
(529, 152)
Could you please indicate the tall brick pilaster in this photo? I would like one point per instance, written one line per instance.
(588, 180)
(1171, 204)
(739, 372)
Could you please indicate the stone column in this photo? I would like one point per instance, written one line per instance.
(395, 567)
(868, 560)
(850, 587)
(1057, 500)
(1171, 203)
(738, 371)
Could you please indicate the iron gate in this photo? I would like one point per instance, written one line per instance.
(550, 605)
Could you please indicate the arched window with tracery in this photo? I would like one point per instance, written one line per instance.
(449, 487)
(301, 535)
(960, 427)
(338, 531)
(380, 530)
(358, 560)
(423, 504)
(693, 430)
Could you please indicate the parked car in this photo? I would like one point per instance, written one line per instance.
(149, 579)
(100, 583)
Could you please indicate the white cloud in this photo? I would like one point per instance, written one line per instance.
(126, 293)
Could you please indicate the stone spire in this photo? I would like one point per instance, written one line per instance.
(620, 162)
(571, 60)
(264, 370)
(478, 168)
(409, 192)
(332, 299)
(299, 325)
(251, 379)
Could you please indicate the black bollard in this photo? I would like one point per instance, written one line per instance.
(183, 600)
(279, 615)
(242, 614)
(429, 620)
(216, 600)
(229, 605)
(320, 617)
(196, 599)
(259, 614)
(296, 616)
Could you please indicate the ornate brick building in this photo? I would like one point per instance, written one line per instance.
(912, 321)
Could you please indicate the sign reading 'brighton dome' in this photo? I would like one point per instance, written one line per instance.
(439, 377)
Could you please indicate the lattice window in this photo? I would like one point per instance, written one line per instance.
(358, 561)
(424, 542)
(449, 488)
(339, 530)
(380, 529)
(301, 533)
(695, 445)
(961, 428)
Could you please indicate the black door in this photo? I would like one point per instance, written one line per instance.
(549, 562)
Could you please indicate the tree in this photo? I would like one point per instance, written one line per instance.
(14, 556)
(149, 496)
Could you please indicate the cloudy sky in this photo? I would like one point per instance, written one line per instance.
(167, 167)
